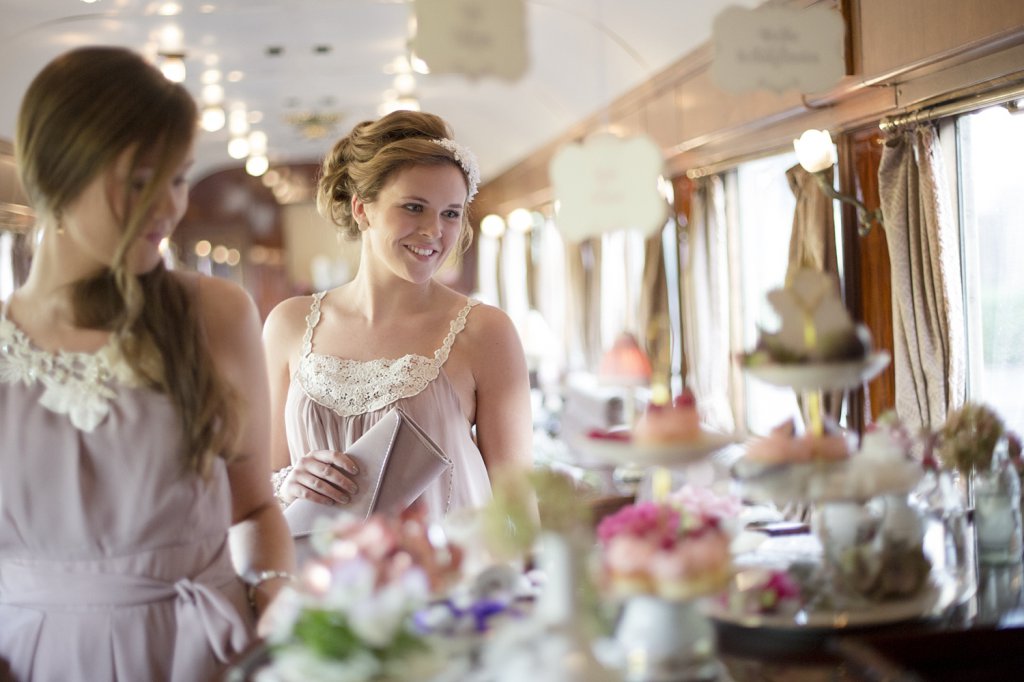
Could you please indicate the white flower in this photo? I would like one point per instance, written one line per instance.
(376, 620)
(298, 664)
(815, 151)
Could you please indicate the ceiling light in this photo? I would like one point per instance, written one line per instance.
(314, 125)
(203, 248)
(492, 225)
(171, 38)
(520, 221)
(234, 257)
(238, 148)
(399, 104)
(235, 76)
(169, 9)
(257, 143)
(173, 67)
(212, 94)
(257, 165)
(220, 253)
(405, 83)
(210, 76)
(418, 65)
(207, 9)
(238, 121)
(255, 117)
(212, 119)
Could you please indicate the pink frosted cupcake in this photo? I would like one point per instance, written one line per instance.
(675, 423)
(783, 446)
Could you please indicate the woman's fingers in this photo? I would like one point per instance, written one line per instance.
(324, 476)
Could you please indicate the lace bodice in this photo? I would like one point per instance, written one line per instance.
(351, 387)
(79, 385)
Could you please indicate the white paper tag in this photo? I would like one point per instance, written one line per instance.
(608, 183)
(472, 37)
(777, 48)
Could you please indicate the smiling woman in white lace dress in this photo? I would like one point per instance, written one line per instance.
(133, 402)
(394, 336)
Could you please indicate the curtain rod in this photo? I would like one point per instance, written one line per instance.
(961, 105)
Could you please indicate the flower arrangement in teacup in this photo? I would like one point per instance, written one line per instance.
(763, 591)
(675, 549)
(350, 617)
(967, 440)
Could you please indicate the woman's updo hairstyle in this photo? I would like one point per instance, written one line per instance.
(362, 162)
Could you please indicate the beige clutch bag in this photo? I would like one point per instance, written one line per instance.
(397, 461)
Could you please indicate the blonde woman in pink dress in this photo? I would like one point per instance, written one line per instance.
(133, 403)
(394, 336)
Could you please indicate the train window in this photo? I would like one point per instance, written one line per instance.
(991, 152)
(764, 218)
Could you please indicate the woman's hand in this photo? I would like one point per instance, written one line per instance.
(322, 476)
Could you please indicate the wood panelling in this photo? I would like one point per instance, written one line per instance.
(921, 47)
(895, 34)
(866, 259)
(661, 115)
(704, 109)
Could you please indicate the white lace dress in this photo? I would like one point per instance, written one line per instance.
(332, 401)
(114, 563)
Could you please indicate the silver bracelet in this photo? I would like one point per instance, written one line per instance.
(253, 580)
(277, 480)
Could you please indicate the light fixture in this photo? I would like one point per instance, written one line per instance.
(238, 147)
(520, 221)
(817, 154)
(405, 83)
(169, 9)
(212, 119)
(398, 104)
(238, 121)
(257, 165)
(212, 93)
(172, 66)
(258, 143)
(492, 226)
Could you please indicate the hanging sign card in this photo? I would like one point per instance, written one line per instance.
(472, 37)
(778, 49)
(608, 183)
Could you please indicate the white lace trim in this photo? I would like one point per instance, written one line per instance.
(353, 387)
(76, 384)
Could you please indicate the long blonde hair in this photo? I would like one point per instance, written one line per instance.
(80, 113)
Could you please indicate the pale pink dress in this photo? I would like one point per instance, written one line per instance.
(114, 562)
(332, 401)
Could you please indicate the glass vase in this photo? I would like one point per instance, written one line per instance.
(997, 514)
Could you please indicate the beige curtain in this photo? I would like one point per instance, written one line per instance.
(653, 320)
(924, 254)
(812, 244)
(706, 326)
(583, 270)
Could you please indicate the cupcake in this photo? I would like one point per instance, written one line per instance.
(674, 423)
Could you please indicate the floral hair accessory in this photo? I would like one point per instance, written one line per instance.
(467, 161)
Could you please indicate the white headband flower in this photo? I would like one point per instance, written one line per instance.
(467, 161)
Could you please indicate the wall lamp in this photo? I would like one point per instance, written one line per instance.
(816, 153)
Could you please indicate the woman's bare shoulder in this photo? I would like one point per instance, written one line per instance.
(222, 305)
(489, 328)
